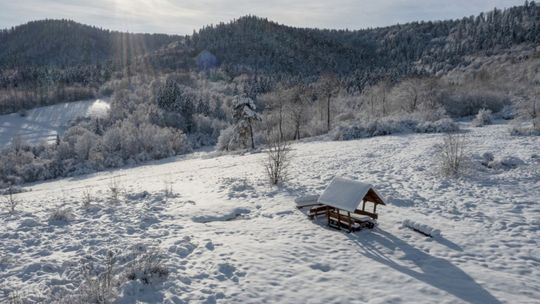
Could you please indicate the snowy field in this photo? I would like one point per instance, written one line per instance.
(228, 237)
(42, 124)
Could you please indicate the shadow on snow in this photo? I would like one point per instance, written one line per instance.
(379, 245)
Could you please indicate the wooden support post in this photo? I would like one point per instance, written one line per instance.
(374, 208)
(363, 205)
(328, 216)
(338, 219)
(350, 221)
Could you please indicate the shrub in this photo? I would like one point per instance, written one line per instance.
(278, 158)
(60, 214)
(451, 155)
(168, 189)
(482, 118)
(147, 267)
(469, 103)
(224, 139)
(229, 140)
(86, 198)
(507, 112)
(10, 201)
(525, 131)
(114, 190)
(98, 283)
(103, 279)
(445, 125)
(393, 125)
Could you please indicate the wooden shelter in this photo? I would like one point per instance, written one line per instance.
(347, 204)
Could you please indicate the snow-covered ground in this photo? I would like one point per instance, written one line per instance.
(227, 236)
(43, 123)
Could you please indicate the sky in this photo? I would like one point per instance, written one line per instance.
(184, 16)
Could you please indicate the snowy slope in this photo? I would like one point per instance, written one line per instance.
(229, 237)
(42, 124)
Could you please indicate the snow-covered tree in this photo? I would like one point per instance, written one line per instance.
(244, 115)
(180, 99)
(409, 94)
(275, 103)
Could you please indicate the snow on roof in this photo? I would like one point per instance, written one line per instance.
(306, 200)
(344, 194)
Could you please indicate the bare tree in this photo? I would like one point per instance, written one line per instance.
(280, 105)
(278, 158)
(276, 103)
(297, 109)
(409, 93)
(383, 88)
(430, 105)
(328, 87)
(532, 106)
(376, 98)
(370, 96)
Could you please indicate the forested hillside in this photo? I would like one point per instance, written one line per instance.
(52, 52)
(61, 43)
(258, 44)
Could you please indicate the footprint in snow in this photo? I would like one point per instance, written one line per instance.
(321, 267)
(183, 247)
(228, 271)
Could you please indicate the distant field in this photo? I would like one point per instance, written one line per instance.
(42, 124)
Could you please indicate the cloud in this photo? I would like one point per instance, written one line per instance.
(183, 16)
